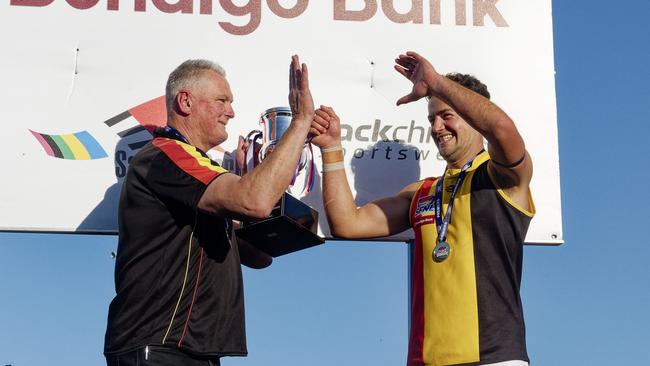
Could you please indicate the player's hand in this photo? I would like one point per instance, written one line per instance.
(420, 72)
(325, 127)
(300, 99)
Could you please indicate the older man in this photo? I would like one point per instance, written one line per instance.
(467, 268)
(179, 292)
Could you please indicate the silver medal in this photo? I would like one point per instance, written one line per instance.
(441, 251)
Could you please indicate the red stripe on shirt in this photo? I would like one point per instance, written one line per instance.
(196, 288)
(416, 338)
(189, 162)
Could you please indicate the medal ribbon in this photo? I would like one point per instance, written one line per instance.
(442, 224)
(171, 130)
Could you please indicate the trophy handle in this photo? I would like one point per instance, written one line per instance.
(266, 149)
(302, 182)
(251, 138)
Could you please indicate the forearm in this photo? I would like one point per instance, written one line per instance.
(483, 115)
(265, 184)
(340, 208)
(344, 217)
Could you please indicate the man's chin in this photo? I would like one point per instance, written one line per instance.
(443, 153)
(221, 140)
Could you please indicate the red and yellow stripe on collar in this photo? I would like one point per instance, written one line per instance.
(190, 159)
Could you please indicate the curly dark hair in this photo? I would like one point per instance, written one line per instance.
(470, 82)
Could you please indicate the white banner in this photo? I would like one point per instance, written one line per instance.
(84, 79)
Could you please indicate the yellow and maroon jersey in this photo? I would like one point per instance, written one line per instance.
(467, 309)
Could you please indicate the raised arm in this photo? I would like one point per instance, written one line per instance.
(256, 193)
(510, 164)
(380, 218)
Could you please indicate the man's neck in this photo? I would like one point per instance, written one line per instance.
(460, 162)
(186, 132)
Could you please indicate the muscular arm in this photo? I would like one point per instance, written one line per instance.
(383, 217)
(505, 144)
(256, 193)
(379, 218)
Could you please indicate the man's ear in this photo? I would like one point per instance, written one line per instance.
(183, 103)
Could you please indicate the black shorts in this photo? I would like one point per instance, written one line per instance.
(160, 356)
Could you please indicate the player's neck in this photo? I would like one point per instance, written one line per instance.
(460, 161)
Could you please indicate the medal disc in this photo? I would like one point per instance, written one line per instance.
(441, 251)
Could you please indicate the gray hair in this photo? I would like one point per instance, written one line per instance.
(185, 75)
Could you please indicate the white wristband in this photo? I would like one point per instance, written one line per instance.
(331, 149)
(333, 166)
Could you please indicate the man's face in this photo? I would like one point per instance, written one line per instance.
(454, 137)
(211, 100)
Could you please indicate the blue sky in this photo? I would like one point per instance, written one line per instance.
(345, 303)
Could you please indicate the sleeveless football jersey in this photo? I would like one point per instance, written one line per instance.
(467, 309)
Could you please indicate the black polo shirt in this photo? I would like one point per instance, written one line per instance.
(178, 278)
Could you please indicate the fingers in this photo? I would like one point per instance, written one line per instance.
(298, 74)
(321, 121)
(297, 71)
(304, 77)
(407, 60)
(414, 55)
(291, 77)
(327, 113)
(294, 73)
(406, 99)
(330, 111)
(406, 73)
(314, 132)
(406, 65)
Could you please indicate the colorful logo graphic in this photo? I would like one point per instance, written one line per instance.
(75, 146)
(425, 205)
(134, 126)
(83, 146)
(147, 116)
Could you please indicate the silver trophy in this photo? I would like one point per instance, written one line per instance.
(292, 225)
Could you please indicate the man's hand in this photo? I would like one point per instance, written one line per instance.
(326, 128)
(300, 100)
(420, 72)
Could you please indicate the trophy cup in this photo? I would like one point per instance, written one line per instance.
(292, 225)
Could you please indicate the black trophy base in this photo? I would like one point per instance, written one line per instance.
(292, 226)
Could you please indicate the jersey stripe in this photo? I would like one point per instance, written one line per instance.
(180, 295)
(451, 301)
(416, 339)
(196, 289)
(447, 332)
(189, 159)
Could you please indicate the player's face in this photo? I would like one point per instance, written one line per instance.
(454, 137)
(212, 108)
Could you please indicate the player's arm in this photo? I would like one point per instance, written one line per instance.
(256, 193)
(510, 164)
(379, 218)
